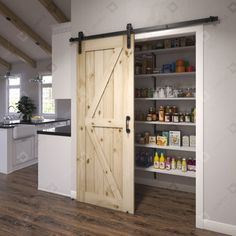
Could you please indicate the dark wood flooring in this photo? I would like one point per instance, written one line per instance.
(26, 211)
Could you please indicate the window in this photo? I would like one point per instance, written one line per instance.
(47, 102)
(13, 93)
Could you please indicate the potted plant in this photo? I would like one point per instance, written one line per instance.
(26, 107)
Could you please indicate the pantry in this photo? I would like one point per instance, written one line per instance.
(140, 105)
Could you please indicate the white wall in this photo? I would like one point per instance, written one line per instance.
(92, 17)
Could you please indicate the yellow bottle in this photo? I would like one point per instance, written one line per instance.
(184, 165)
(162, 162)
(156, 161)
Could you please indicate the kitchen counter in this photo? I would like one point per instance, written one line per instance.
(59, 131)
(16, 122)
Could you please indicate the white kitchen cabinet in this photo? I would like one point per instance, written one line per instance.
(16, 154)
(61, 61)
(54, 151)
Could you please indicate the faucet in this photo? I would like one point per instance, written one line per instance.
(12, 107)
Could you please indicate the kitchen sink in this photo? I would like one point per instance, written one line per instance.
(23, 131)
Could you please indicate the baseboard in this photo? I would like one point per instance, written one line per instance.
(220, 227)
(23, 165)
(73, 194)
(54, 192)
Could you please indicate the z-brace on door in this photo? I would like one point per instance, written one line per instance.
(105, 160)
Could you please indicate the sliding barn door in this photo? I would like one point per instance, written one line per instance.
(105, 105)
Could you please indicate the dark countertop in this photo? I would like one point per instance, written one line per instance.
(16, 122)
(59, 131)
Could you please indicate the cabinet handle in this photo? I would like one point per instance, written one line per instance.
(127, 124)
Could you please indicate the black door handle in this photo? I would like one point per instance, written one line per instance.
(127, 124)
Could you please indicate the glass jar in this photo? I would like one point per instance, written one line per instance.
(149, 117)
(181, 117)
(161, 114)
(175, 118)
(187, 117)
(167, 117)
(162, 93)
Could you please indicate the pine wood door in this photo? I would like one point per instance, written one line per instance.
(105, 162)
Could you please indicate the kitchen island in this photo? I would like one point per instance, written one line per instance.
(54, 149)
(19, 142)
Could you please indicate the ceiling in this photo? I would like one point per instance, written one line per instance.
(35, 15)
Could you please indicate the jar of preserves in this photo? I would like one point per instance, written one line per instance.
(149, 117)
(161, 114)
(175, 118)
(187, 117)
(167, 117)
(181, 117)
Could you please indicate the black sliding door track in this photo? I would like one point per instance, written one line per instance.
(129, 30)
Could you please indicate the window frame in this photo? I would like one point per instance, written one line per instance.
(8, 87)
(41, 86)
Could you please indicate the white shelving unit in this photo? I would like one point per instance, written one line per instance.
(167, 99)
(166, 50)
(178, 80)
(174, 148)
(190, 174)
(191, 75)
(165, 123)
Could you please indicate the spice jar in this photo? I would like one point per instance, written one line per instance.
(167, 117)
(187, 117)
(161, 114)
(149, 117)
(181, 117)
(142, 140)
(175, 118)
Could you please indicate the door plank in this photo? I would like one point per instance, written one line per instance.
(99, 71)
(104, 164)
(102, 86)
(81, 148)
(106, 123)
(128, 165)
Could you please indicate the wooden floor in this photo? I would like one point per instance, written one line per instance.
(26, 211)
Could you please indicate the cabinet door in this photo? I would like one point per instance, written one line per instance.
(105, 148)
(24, 151)
(61, 65)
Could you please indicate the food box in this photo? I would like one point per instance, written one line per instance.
(162, 141)
(166, 134)
(192, 141)
(185, 141)
(152, 139)
(174, 138)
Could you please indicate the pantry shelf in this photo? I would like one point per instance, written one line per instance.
(175, 148)
(167, 99)
(177, 74)
(165, 123)
(166, 50)
(190, 174)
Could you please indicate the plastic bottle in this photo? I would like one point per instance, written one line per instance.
(184, 165)
(156, 161)
(168, 163)
(173, 163)
(162, 162)
(179, 164)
